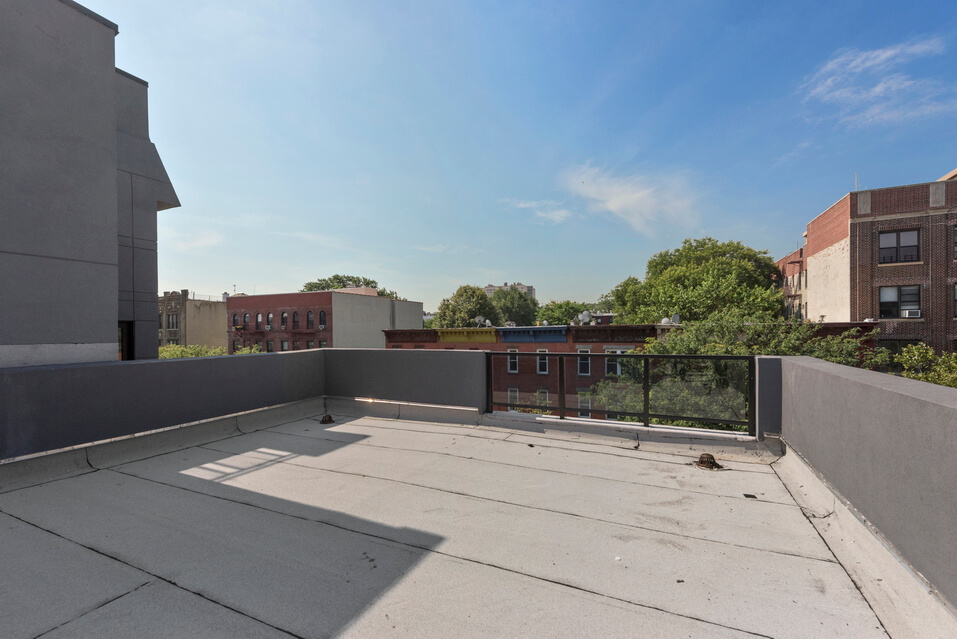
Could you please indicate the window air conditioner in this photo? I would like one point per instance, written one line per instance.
(268, 327)
(911, 313)
(322, 327)
(282, 327)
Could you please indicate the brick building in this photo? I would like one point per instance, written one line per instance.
(348, 318)
(191, 322)
(529, 379)
(888, 255)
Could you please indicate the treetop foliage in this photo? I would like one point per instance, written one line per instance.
(561, 313)
(515, 306)
(701, 278)
(734, 332)
(460, 310)
(921, 362)
(346, 281)
(176, 351)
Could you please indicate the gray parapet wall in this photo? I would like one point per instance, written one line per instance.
(888, 446)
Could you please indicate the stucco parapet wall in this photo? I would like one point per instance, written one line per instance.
(466, 335)
(418, 335)
(616, 333)
(535, 334)
(91, 14)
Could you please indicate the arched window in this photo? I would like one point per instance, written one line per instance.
(235, 319)
(310, 320)
(259, 321)
(322, 318)
(245, 320)
(284, 319)
(269, 319)
(295, 319)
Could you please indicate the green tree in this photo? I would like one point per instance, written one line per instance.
(921, 362)
(717, 389)
(561, 313)
(175, 351)
(460, 310)
(345, 281)
(699, 279)
(515, 306)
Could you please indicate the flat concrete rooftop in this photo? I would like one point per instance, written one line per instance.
(374, 527)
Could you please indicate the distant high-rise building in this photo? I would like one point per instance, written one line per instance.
(528, 290)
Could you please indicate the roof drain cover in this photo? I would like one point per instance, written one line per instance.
(707, 461)
(326, 419)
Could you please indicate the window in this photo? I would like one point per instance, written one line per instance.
(584, 403)
(310, 320)
(172, 322)
(284, 319)
(246, 320)
(259, 321)
(541, 397)
(161, 321)
(235, 346)
(584, 363)
(955, 300)
(542, 362)
(269, 320)
(395, 345)
(172, 342)
(284, 345)
(899, 246)
(512, 397)
(295, 319)
(310, 344)
(899, 301)
(322, 344)
(295, 346)
(235, 319)
(322, 318)
(269, 346)
(513, 361)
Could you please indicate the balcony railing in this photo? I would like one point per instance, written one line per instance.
(690, 390)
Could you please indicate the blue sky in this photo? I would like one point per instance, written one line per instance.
(433, 144)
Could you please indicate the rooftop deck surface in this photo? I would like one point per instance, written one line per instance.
(373, 527)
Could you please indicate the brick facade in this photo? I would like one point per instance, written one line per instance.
(249, 321)
(861, 217)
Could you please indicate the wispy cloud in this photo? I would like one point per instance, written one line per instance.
(868, 87)
(546, 210)
(194, 242)
(794, 153)
(644, 202)
(554, 216)
(530, 204)
(313, 238)
(448, 249)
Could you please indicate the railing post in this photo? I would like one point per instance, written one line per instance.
(752, 397)
(488, 381)
(561, 387)
(646, 389)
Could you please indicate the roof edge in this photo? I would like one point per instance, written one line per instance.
(92, 14)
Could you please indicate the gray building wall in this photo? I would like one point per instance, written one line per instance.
(71, 267)
(887, 445)
(359, 320)
(143, 188)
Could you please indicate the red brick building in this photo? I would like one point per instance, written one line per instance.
(529, 376)
(350, 318)
(888, 255)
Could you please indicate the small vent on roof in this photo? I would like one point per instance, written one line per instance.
(707, 461)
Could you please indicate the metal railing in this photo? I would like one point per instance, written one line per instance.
(717, 391)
